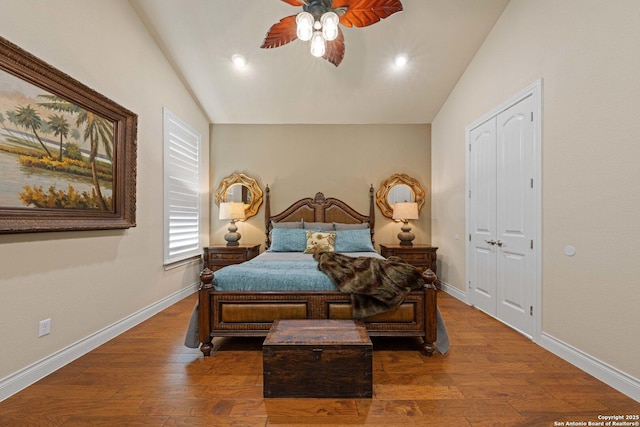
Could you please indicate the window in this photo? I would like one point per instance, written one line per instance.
(181, 190)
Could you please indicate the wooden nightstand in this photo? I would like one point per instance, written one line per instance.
(216, 257)
(420, 256)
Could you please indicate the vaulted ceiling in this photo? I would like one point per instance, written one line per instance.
(287, 85)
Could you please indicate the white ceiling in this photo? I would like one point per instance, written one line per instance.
(287, 85)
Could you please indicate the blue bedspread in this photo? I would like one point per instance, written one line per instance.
(277, 271)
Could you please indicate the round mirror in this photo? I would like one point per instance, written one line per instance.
(238, 193)
(400, 193)
(239, 187)
(396, 189)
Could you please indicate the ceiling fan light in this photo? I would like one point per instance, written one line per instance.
(329, 21)
(317, 44)
(304, 26)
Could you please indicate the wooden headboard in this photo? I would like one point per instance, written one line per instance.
(318, 209)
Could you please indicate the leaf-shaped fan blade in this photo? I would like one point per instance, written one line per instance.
(281, 33)
(335, 49)
(294, 2)
(362, 13)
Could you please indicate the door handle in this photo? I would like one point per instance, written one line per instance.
(492, 242)
(499, 243)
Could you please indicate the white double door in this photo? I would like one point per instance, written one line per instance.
(502, 214)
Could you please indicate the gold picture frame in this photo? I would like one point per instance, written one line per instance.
(45, 184)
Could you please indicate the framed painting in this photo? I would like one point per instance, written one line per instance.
(67, 153)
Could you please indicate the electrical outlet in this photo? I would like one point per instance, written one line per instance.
(44, 327)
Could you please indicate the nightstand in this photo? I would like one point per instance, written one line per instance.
(420, 256)
(216, 257)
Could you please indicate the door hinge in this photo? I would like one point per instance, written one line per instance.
(469, 236)
(469, 193)
(531, 182)
(532, 244)
(531, 310)
(469, 147)
(532, 116)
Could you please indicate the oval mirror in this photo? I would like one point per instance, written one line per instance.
(239, 187)
(398, 188)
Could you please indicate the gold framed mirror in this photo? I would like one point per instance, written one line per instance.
(239, 187)
(398, 188)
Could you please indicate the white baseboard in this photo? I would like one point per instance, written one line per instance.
(454, 292)
(40, 369)
(609, 375)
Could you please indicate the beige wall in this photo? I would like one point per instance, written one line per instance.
(86, 281)
(587, 54)
(341, 161)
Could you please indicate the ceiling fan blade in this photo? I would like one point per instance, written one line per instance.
(335, 49)
(281, 33)
(362, 13)
(294, 2)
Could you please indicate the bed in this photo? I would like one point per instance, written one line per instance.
(249, 309)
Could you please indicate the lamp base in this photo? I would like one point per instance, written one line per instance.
(406, 236)
(232, 237)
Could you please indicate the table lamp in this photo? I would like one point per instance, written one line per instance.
(235, 212)
(403, 212)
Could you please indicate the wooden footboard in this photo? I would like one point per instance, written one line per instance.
(231, 313)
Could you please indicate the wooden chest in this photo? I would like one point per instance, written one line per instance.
(317, 358)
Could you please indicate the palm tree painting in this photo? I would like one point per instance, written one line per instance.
(36, 172)
(67, 153)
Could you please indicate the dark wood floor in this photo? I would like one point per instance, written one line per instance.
(492, 376)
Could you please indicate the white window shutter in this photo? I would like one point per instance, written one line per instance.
(181, 189)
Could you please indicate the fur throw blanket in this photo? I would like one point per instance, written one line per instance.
(376, 285)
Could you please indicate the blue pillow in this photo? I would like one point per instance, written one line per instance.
(288, 240)
(354, 241)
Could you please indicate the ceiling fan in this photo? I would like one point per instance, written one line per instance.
(318, 23)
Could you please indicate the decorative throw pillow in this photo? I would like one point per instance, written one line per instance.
(288, 240)
(354, 241)
(318, 241)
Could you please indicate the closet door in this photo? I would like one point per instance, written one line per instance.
(514, 215)
(482, 197)
(501, 215)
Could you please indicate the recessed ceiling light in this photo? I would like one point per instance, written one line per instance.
(239, 61)
(401, 60)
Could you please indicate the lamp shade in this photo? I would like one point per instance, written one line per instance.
(405, 210)
(231, 210)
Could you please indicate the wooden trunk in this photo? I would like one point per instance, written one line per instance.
(317, 358)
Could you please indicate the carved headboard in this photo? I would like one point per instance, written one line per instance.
(318, 209)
